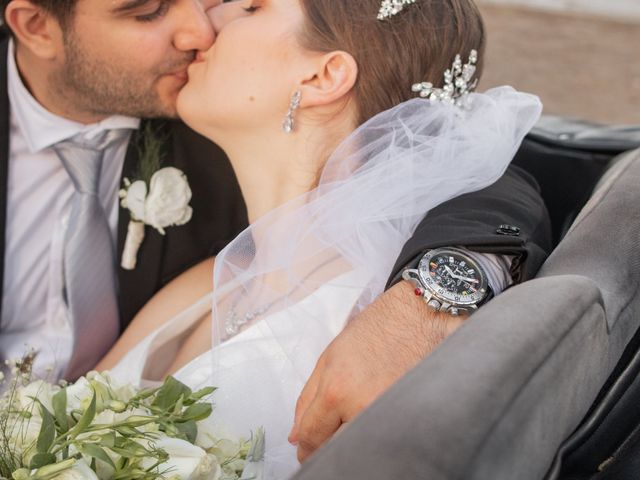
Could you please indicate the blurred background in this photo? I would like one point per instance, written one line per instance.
(582, 57)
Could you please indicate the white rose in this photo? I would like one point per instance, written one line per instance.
(186, 461)
(79, 471)
(168, 201)
(134, 199)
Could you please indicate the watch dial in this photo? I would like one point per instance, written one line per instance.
(453, 277)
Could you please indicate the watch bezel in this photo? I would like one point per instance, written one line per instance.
(441, 293)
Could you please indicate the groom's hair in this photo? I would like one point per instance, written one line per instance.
(417, 45)
(61, 9)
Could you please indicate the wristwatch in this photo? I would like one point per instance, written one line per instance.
(449, 281)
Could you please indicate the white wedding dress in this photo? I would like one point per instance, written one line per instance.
(258, 374)
(286, 286)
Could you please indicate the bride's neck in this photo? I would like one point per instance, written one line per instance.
(276, 167)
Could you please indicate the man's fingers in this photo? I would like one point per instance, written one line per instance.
(316, 426)
(304, 400)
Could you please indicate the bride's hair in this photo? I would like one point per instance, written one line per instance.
(416, 45)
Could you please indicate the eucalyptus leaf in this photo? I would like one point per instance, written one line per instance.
(59, 401)
(47, 431)
(169, 394)
(40, 460)
(86, 419)
(189, 430)
(130, 449)
(204, 392)
(108, 440)
(196, 412)
(94, 451)
(126, 431)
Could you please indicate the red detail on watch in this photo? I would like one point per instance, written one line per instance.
(418, 292)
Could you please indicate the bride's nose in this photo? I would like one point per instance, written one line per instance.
(224, 13)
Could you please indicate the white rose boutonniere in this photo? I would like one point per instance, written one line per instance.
(161, 201)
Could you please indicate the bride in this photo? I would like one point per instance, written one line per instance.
(338, 158)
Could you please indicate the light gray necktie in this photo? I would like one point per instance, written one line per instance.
(89, 252)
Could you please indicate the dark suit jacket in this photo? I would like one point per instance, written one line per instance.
(219, 213)
(476, 221)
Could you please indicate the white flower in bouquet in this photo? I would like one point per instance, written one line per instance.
(79, 394)
(186, 461)
(98, 429)
(80, 471)
(40, 390)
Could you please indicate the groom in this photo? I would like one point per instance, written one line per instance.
(72, 70)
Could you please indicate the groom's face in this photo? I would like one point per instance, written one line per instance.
(130, 57)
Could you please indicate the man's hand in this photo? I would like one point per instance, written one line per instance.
(373, 351)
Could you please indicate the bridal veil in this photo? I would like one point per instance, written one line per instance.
(329, 253)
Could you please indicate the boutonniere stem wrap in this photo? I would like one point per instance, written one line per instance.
(163, 203)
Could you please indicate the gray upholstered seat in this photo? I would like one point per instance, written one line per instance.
(497, 398)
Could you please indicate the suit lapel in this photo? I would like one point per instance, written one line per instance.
(138, 285)
(4, 154)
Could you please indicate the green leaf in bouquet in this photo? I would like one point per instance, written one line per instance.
(169, 394)
(177, 409)
(144, 394)
(127, 431)
(59, 401)
(102, 393)
(86, 419)
(52, 470)
(189, 430)
(107, 440)
(94, 451)
(129, 449)
(40, 460)
(137, 421)
(47, 431)
(196, 412)
(199, 395)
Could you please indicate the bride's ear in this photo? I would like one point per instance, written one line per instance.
(334, 76)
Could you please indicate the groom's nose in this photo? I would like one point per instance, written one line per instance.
(194, 27)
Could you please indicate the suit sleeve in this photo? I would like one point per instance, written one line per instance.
(474, 221)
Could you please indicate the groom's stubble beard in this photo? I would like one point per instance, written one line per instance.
(95, 87)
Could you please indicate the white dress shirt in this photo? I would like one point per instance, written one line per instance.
(34, 314)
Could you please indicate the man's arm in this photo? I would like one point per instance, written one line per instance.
(398, 330)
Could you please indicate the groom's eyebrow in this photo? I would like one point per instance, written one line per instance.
(129, 5)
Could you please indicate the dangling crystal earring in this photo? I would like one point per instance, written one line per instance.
(288, 123)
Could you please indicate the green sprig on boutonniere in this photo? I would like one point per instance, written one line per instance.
(158, 197)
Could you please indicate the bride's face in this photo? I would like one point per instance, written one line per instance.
(246, 79)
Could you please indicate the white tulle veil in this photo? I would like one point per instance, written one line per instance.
(344, 236)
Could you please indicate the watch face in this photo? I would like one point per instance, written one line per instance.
(453, 277)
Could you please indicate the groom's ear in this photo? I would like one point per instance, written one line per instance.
(34, 28)
(333, 78)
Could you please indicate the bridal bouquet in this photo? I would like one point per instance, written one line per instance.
(97, 428)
